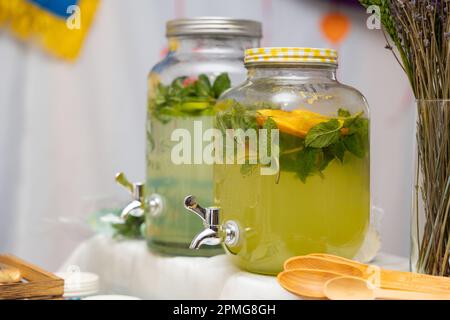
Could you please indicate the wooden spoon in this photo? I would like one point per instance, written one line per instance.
(306, 282)
(319, 263)
(388, 279)
(352, 288)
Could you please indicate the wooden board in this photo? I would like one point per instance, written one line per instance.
(36, 282)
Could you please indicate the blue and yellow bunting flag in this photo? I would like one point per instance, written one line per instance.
(60, 26)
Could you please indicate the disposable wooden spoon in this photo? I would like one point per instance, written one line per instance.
(388, 279)
(352, 288)
(319, 263)
(306, 282)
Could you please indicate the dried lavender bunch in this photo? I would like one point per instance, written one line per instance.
(431, 233)
(388, 23)
(420, 32)
(423, 29)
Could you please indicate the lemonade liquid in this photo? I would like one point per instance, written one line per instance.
(328, 213)
(172, 231)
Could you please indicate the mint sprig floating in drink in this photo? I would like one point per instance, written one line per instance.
(324, 134)
(309, 141)
(187, 96)
(331, 140)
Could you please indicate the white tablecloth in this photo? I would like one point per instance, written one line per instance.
(128, 268)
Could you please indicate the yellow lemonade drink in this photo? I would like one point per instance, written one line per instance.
(296, 212)
(326, 214)
(171, 231)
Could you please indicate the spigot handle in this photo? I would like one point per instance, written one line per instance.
(123, 181)
(190, 203)
(137, 189)
(215, 232)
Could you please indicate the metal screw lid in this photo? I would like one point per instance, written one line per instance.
(214, 26)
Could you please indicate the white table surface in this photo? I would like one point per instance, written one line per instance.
(128, 268)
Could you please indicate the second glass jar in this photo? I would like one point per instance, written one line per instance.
(205, 58)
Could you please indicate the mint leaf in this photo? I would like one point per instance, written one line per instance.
(203, 86)
(221, 84)
(325, 158)
(205, 79)
(354, 144)
(237, 116)
(344, 113)
(131, 229)
(306, 163)
(357, 141)
(337, 150)
(351, 122)
(177, 83)
(359, 126)
(323, 134)
(249, 120)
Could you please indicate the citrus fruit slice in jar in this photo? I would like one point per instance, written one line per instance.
(297, 122)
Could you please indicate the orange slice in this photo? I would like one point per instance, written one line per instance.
(297, 122)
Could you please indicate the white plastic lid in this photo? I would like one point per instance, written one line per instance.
(79, 284)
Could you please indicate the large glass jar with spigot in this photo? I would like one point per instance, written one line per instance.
(293, 173)
(205, 59)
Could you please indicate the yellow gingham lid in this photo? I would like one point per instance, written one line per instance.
(291, 55)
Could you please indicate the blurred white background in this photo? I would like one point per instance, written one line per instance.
(66, 129)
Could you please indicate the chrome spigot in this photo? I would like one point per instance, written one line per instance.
(214, 233)
(136, 207)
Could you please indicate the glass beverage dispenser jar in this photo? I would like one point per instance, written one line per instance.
(313, 194)
(205, 58)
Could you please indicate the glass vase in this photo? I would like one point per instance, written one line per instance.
(430, 223)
